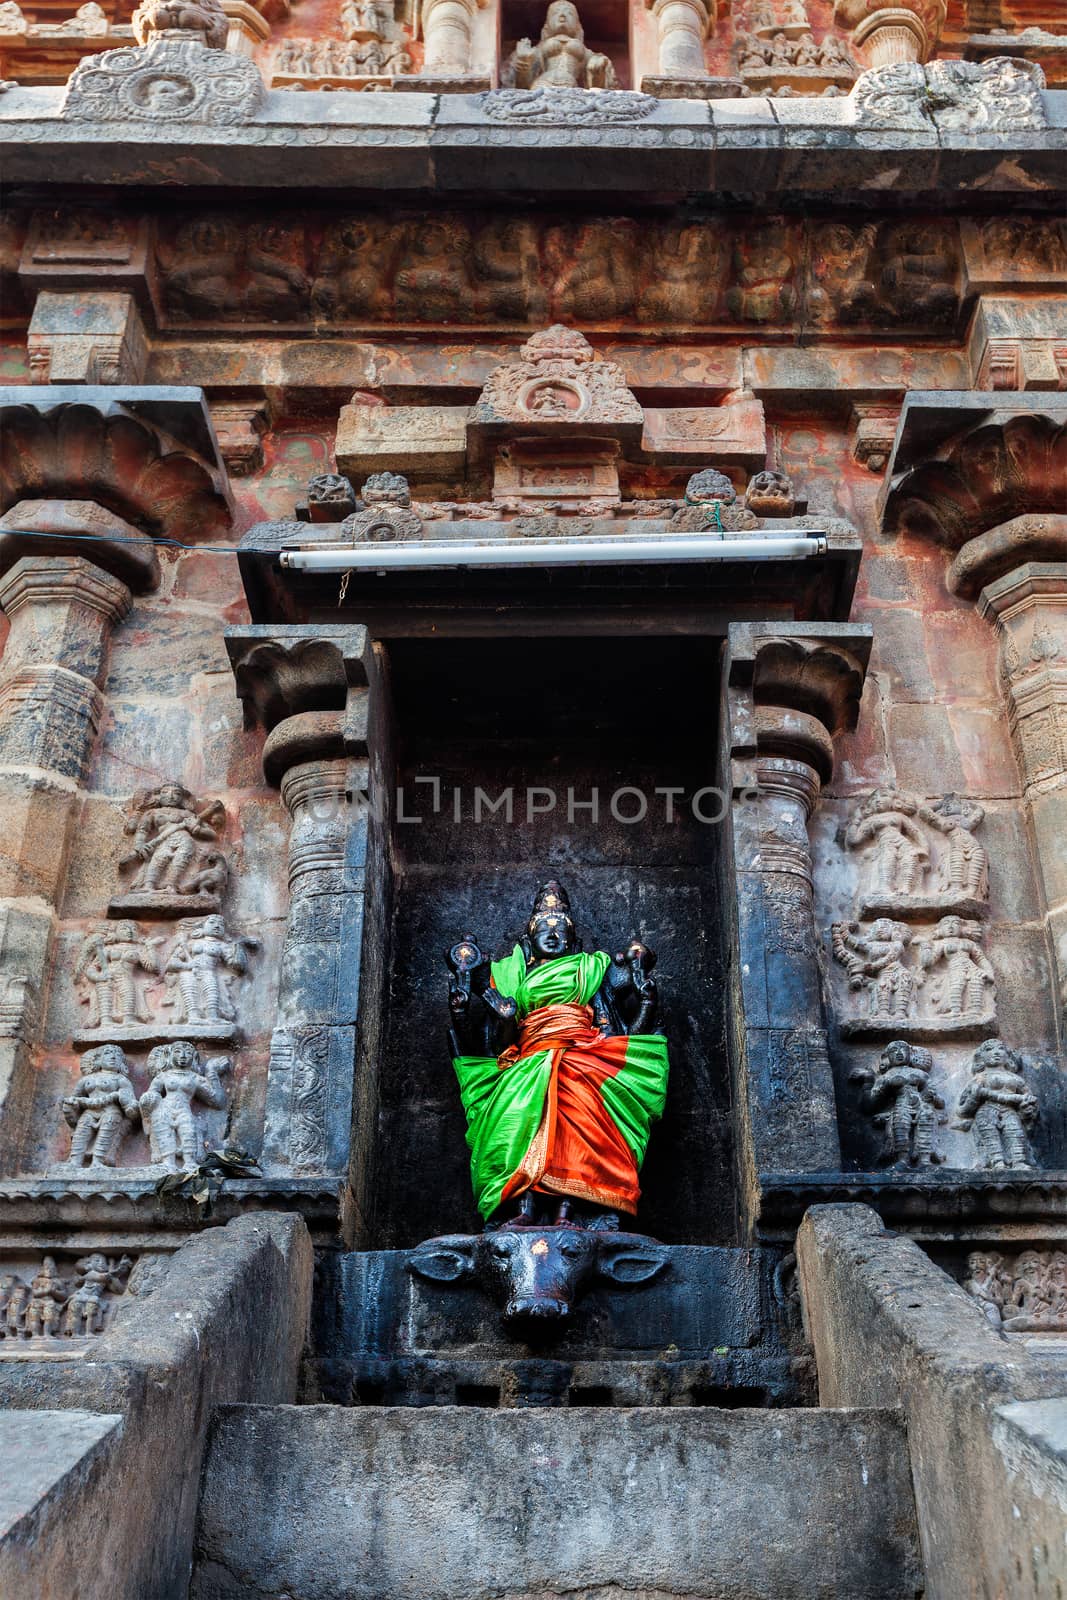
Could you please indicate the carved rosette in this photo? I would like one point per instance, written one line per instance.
(1001, 95)
(168, 80)
(567, 107)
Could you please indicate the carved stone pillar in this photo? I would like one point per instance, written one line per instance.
(886, 34)
(321, 696)
(683, 27)
(790, 689)
(68, 566)
(448, 34)
(62, 611)
(962, 489)
(1029, 610)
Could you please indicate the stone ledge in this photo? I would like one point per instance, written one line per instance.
(447, 142)
(131, 1206)
(971, 1205)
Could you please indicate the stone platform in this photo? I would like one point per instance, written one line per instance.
(465, 1503)
(715, 1328)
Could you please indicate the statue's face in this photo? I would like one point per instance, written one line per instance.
(992, 1054)
(562, 18)
(214, 926)
(551, 934)
(170, 797)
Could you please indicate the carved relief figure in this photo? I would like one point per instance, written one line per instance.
(433, 283)
(770, 494)
(356, 261)
(997, 1108)
(54, 1307)
(561, 1074)
(95, 1279)
(44, 1309)
(507, 269)
(685, 285)
(178, 1078)
(200, 962)
(101, 1108)
(215, 265)
(561, 58)
(108, 969)
(874, 961)
(919, 857)
(964, 987)
(763, 272)
(902, 1103)
(900, 855)
(594, 272)
(1023, 1294)
(909, 277)
(173, 835)
(964, 867)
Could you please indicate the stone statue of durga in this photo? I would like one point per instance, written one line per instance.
(561, 1071)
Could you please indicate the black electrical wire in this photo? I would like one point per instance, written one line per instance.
(100, 538)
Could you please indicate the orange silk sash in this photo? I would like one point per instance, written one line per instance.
(578, 1149)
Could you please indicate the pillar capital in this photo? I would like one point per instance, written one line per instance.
(63, 580)
(704, 13)
(306, 687)
(51, 532)
(905, 31)
(803, 689)
(985, 565)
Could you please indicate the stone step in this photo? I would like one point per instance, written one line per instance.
(462, 1503)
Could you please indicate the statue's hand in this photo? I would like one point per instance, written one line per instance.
(459, 1000)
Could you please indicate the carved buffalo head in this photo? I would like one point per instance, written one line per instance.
(537, 1274)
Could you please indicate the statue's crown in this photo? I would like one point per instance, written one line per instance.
(551, 896)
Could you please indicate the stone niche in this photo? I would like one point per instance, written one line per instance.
(505, 724)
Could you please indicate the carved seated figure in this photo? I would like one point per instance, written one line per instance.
(205, 18)
(561, 59)
(560, 1073)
